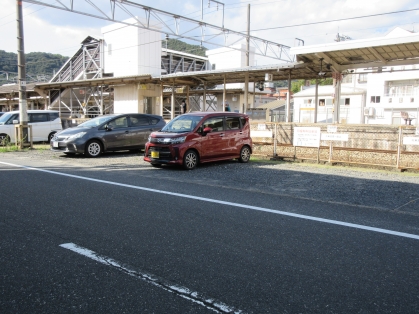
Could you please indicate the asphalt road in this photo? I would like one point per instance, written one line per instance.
(113, 235)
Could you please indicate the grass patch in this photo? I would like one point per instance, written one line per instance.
(10, 147)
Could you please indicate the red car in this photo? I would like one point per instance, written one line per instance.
(200, 137)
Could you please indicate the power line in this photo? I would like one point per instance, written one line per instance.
(337, 20)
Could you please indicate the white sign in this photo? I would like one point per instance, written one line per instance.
(334, 137)
(306, 136)
(410, 140)
(261, 126)
(332, 129)
(261, 133)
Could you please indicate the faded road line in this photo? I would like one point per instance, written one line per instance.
(204, 199)
(180, 291)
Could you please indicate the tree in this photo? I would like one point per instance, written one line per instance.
(296, 85)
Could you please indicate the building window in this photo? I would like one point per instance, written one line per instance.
(347, 79)
(213, 66)
(375, 99)
(412, 99)
(322, 102)
(347, 101)
(362, 78)
(400, 99)
(390, 100)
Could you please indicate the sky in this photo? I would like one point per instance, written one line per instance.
(280, 21)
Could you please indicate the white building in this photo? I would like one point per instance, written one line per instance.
(387, 95)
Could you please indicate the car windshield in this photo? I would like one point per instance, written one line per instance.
(5, 117)
(183, 123)
(95, 122)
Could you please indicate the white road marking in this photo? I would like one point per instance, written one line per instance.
(262, 209)
(180, 291)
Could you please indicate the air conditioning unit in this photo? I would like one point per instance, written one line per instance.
(369, 111)
(269, 77)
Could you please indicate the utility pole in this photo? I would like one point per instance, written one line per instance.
(23, 112)
(246, 76)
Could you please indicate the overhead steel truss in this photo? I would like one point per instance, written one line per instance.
(172, 24)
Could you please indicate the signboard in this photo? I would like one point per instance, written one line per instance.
(266, 133)
(261, 127)
(410, 140)
(334, 137)
(307, 136)
(332, 129)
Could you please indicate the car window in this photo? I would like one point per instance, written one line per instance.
(215, 123)
(243, 121)
(118, 123)
(233, 123)
(38, 117)
(139, 121)
(13, 117)
(154, 121)
(53, 116)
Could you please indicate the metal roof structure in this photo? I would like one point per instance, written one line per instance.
(399, 47)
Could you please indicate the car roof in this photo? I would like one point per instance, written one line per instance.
(215, 113)
(34, 111)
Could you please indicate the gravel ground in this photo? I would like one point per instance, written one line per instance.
(381, 189)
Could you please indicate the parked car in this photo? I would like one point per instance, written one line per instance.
(107, 133)
(45, 123)
(200, 137)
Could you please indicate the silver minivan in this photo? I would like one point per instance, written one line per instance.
(45, 123)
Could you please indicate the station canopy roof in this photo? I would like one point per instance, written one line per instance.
(399, 47)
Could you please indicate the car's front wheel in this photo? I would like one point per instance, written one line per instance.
(244, 154)
(190, 160)
(51, 136)
(93, 148)
(4, 139)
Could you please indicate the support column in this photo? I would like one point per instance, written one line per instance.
(288, 110)
(204, 100)
(188, 103)
(316, 100)
(161, 99)
(337, 79)
(246, 91)
(224, 94)
(172, 108)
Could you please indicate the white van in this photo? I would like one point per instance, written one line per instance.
(45, 123)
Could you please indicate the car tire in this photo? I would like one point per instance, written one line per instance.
(156, 165)
(93, 149)
(190, 160)
(245, 154)
(50, 136)
(4, 139)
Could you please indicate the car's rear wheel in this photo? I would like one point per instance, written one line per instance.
(93, 148)
(190, 160)
(244, 154)
(4, 139)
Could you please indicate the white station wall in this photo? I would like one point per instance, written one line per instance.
(130, 50)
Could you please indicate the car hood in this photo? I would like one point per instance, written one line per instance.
(168, 134)
(71, 131)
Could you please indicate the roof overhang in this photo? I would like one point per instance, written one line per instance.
(365, 53)
(211, 78)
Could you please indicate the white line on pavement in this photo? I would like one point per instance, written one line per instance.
(262, 209)
(181, 291)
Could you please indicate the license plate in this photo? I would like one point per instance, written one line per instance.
(54, 144)
(154, 154)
